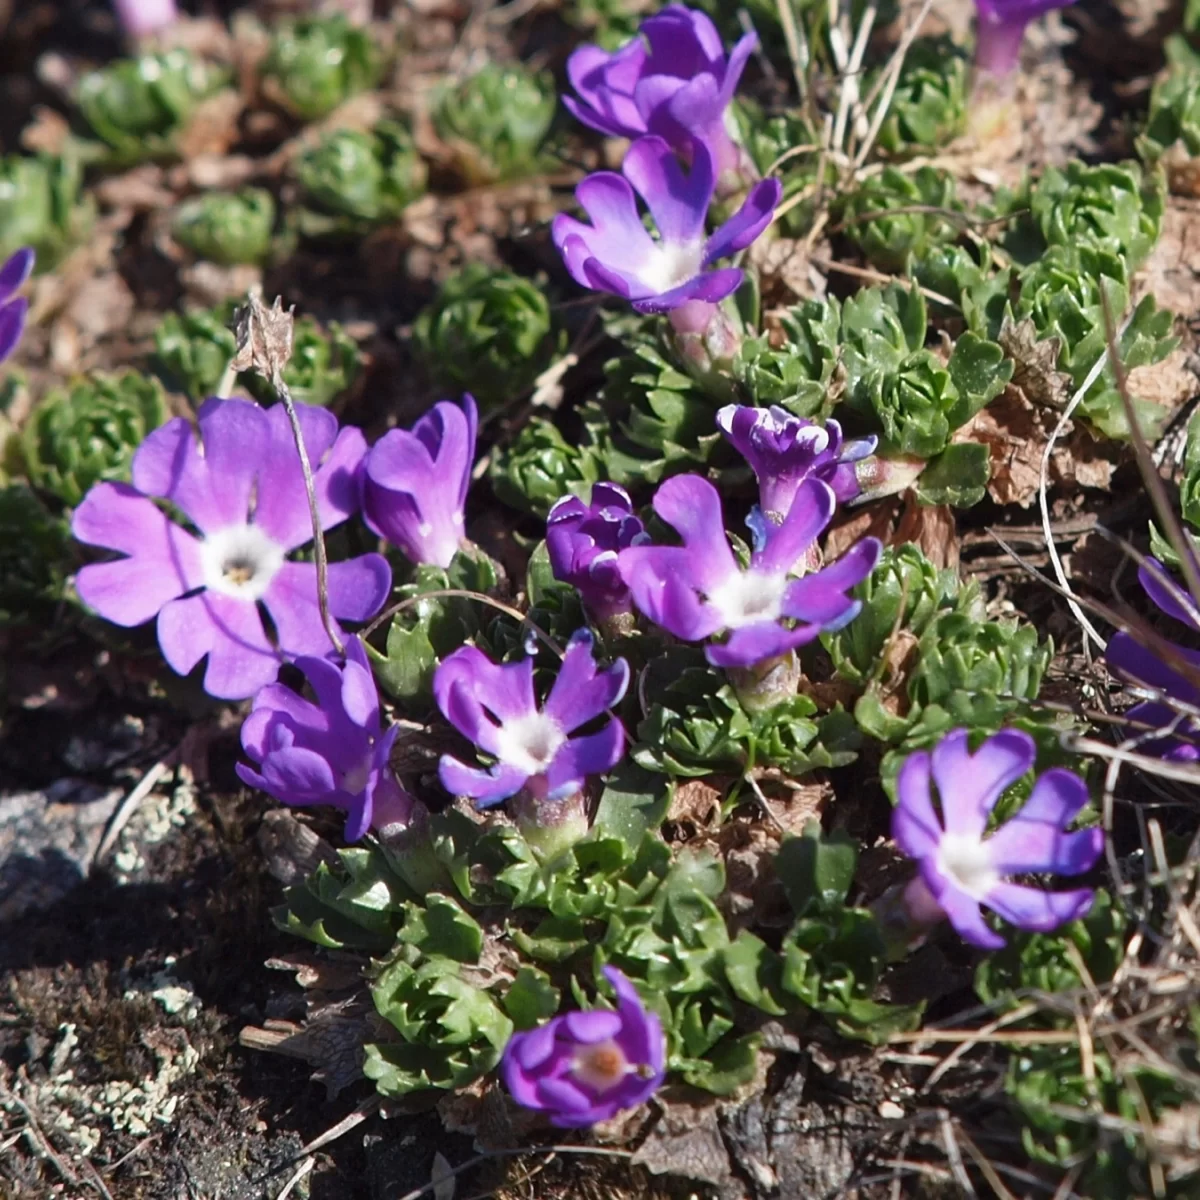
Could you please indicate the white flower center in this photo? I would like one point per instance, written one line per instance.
(749, 597)
(355, 779)
(965, 860)
(240, 561)
(601, 1066)
(531, 742)
(673, 264)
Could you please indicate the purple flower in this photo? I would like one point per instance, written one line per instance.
(960, 869)
(240, 486)
(615, 253)
(331, 752)
(699, 590)
(13, 311)
(415, 483)
(1125, 656)
(673, 80)
(784, 450)
(494, 706)
(140, 17)
(585, 1067)
(583, 541)
(999, 29)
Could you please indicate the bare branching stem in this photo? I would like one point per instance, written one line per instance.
(285, 397)
(264, 345)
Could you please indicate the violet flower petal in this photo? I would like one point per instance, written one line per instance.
(581, 692)
(15, 271)
(1167, 594)
(970, 784)
(754, 643)
(1033, 909)
(213, 488)
(581, 757)
(12, 325)
(163, 560)
(1034, 839)
(915, 826)
(486, 788)
(747, 223)
(230, 632)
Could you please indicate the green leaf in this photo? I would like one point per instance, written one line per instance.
(531, 998)
(139, 106)
(754, 972)
(494, 122)
(228, 228)
(980, 372)
(816, 870)
(958, 476)
(439, 926)
(317, 63)
(733, 1064)
(634, 803)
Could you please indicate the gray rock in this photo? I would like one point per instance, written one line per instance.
(47, 841)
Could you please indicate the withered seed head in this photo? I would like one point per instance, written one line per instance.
(264, 336)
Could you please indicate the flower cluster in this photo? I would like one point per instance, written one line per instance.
(674, 81)
(699, 590)
(584, 1067)
(211, 539)
(239, 485)
(669, 89)
(960, 868)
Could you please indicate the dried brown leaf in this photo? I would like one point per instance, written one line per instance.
(932, 528)
(1035, 364)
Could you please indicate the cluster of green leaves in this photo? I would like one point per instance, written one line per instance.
(352, 180)
(421, 634)
(227, 227)
(137, 107)
(487, 332)
(317, 63)
(478, 936)
(929, 107)
(539, 466)
(1077, 235)
(801, 375)
(86, 432)
(494, 122)
(928, 661)
(1174, 115)
(1065, 293)
(1093, 1112)
(42, 205)
(898, 217)
(695, 725)
(1116, 207)
(193, 350)
(914, 400)
(651, 420)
